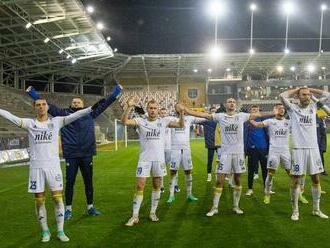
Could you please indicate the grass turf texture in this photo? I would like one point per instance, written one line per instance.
(182, 224)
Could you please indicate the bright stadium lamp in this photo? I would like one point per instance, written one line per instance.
(209, 70)
(228, 69)
(28, 25)
(217, 8)
(108, 38)
(288, 8)
(60, 51)
(286, 50)
(323, 68)
(279, 68)
(195, 70)
(99, 25)
(90, 9)
(311, 68)
(323, 7)
(215, 52)
(73, 61)
(253, 6)
(292, 68)
(115, 50)
(46, 39)
(68, 56)
(252, 51)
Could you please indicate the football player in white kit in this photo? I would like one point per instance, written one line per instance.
(232, 151)
(278, 130)
(181, 155)
(305, 154)
(152, 158)
(43, 133)
(167, 139)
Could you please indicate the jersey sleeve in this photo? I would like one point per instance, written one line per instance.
(138, 121)
(245, 116)
(217, 116)
(65, 120)
(266, 122)
(20, 122)
(286, 102)
(168, 119)
(197, 120)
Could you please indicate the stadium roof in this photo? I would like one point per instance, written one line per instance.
(25, 52)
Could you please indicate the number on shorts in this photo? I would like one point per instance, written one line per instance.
(173, 165)
(139, 170)
(270, 163)
(296, 167)
(33, 185)
(220, 166)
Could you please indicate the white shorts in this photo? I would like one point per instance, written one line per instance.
(279, 157)
(231, 163)
(153, 168)
(38, 177)
(167, 156)
(181, 157)
(306, 160)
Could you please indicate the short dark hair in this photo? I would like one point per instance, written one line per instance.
(163, 109)
(254, 106)
(278, 104)
(43, 99)
(79, 97)
(300, 89)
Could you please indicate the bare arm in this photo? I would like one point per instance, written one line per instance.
(257, 123)
(179, 123)
(131, 102)
(286, 95)
(195, 113)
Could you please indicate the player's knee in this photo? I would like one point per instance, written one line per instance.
(57, 197)
(40, 200)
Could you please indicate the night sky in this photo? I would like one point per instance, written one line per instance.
(182, 26)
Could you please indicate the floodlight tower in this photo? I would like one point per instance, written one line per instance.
(288, 10)
(323, 8)
(253, 7)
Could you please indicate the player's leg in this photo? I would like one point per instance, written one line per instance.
(238, 167)
(59, 215)
(302, 198)
(295, 191)
(70, 175)
(210, 156)
(37, 186)
(268, 185)
(155, 196)
(273, 162)
(86, 169)
(188, 166)
(173, 175)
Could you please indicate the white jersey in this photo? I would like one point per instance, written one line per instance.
(278, 131)
(151, 135)
(180, 137)
(231, 131)
(44, 136)
(167, 137)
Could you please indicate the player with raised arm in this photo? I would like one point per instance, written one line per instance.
(232, 151)
(152, 158)
(43, 133)
(181, 155)
(279, 153)
(305, 154)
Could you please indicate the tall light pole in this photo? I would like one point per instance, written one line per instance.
(253, 7)
(288, 9)
(323, 8)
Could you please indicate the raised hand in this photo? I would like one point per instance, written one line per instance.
(132, 101)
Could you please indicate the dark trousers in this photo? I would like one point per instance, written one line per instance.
(86, 168)
(210, 156)
(254, 157)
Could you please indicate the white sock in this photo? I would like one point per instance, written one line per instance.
(137, 203)
(295, 191)
(155, 196)
(216, 198)
(302, 184)
(268, 183)
(41, 213)
(237, 195)
(68, 207)
(59, 212)
(172, 185)
(316, 194)
(89, 206)
(189, 184)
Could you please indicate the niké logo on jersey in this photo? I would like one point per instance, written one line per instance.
(43, 136)
(153, 133)
(305, 119)
(231, 128)
(281, 132)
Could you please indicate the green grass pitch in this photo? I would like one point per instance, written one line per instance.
(182, 224)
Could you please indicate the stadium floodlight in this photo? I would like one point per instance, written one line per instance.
(195, 70)
(99, 25)
(311, 68)
(115, 50)
(46, 39)
(60, 51)
(323, 7)
(215, 52)
(286, 50)
(68, 56)
(74, 60)
(279, 68)
(28, 25)
(292, 68)
(323, 68)
(288, 8)
(252, 51)
(108, 38)
(209, 70)
(253, 6)
(90, 9)
(228, 69)
(217, 8)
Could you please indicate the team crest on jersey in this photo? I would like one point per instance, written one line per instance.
(236, 118)
(311, 111)
(159, 124)
(50, 125)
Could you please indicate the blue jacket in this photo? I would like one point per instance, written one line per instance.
(209, 133)
(321, 134)
(255, 138)
(78, 138)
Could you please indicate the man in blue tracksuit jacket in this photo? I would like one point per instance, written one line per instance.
(256, 142)
(321, 139)
(79, 146)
